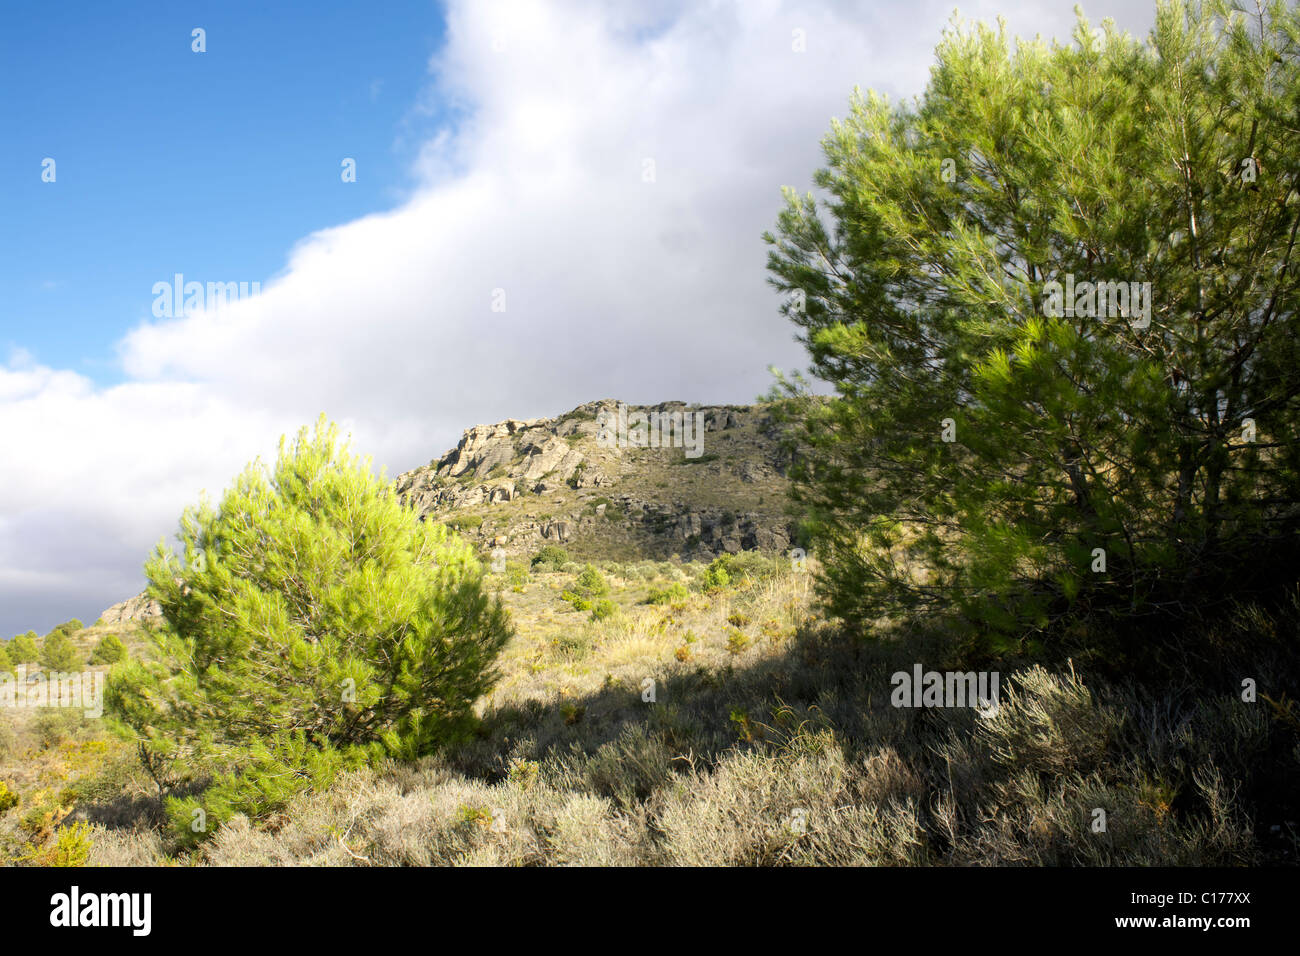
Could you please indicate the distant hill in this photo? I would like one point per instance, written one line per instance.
(520, 484)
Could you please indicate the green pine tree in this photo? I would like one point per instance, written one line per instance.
(311, 615)
(23, 649)
(58, 653)
(988, 450)
(6, 664)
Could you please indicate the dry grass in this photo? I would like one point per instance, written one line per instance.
(787, 752)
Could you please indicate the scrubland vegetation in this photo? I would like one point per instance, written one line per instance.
(783, 748)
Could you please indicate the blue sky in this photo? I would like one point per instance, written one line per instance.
(501, 149)
(168, 159)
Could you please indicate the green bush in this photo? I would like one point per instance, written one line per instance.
(674, 593)
(587, 594)
(717, 576)
(6, 665)
(754, 566)
(23, 649)
(550, 558)
(590, 582)
(579, 602)
(109, 650)
(311, 620)
(71, 847)
(58, 653)
(464, 522)
(603, 609)
(737, 640)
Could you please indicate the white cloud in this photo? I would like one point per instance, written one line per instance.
(614, 286)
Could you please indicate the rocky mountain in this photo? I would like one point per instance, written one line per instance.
(608, 480)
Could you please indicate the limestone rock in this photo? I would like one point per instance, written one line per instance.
(140, 609)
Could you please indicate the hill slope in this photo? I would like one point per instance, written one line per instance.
(519, 484)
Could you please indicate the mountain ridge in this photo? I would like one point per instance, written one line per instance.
(521, 483)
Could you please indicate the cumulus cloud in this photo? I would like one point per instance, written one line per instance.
(615, 281)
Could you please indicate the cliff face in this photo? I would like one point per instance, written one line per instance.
(614, 481)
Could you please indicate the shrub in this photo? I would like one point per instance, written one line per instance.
(109, 650)
(550, 558)
(53, 726)
(71, 847)
(8, 799)
(579, 602)
(587, 592)
(310, 599)
(464, 522)
(58, 653)
(271, 772)
(590, 582)
(523, 773)
(574, 645)
(603, 609)
(6, 665)
(23, 649)
(753, 565)
(716, 576)
(737, 641)
(674, 593)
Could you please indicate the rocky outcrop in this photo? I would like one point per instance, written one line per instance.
(483, 448)
(604, 488)
(138, 610)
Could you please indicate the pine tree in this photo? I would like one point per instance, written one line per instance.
(312, 614)
(23, 648)
(58, 653)
(994, 448)
(6, 664)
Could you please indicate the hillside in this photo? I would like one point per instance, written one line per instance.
(518, 484)
(673, 695)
